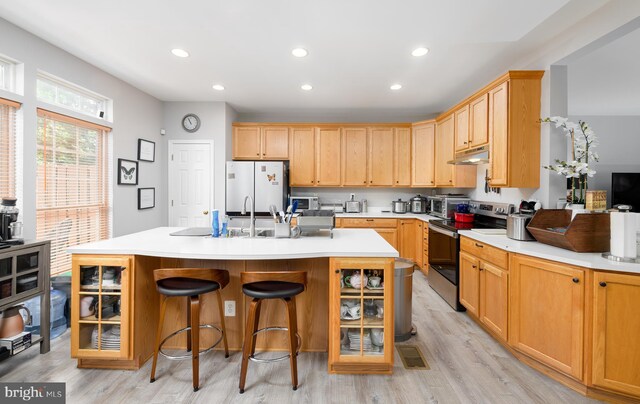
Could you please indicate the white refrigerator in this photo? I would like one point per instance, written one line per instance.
(265, 181)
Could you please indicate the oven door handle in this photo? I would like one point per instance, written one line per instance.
(449, 233)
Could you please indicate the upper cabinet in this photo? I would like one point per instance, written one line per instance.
(260, 143)
(449, 175)
(354, 157)
(461, 121)
(402, 157)
(479, 121)
(505, 115)
(423, 154)
(381, 145)
(328, 145)
(302, 165)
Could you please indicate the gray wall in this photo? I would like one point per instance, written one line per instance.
(214, 125)
(135, 115)
(618, 148)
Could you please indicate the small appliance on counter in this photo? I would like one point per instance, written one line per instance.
(517, 222)
(444, 206)
(306, 202)
(10, 227)
(314, 221)
(352, 206)
(399, 206)
(418, 204)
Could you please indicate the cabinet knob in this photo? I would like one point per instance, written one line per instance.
(370, 182)
(364, 182)
(474, 266)
(479, 245)
(575, 280)
(337, 271)
(465, 142)
(257, 154)
(603, 284)
(480, 269)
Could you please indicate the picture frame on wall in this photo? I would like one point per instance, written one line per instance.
(127, 172)
(146, 150)
(146, 198)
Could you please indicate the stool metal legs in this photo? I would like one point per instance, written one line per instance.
(293, 340)
(250, 338)
(163, 306)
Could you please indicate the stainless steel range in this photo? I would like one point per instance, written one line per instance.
(444, 246)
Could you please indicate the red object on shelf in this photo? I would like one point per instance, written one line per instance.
(463, 217)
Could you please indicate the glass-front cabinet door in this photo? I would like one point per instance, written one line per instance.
(100, 320)
(361, 315)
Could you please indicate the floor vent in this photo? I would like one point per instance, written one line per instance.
(412, 358)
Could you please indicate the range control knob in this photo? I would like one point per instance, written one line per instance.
(500, 211)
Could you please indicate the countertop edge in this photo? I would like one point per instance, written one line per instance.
(593, 261)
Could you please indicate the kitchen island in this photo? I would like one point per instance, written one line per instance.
(115, 277)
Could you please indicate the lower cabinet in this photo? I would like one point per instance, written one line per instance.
(419, 224)
(407, 236)
(100, 321)
(484, 292)
(361, 332)
(391, 235)
(547, 312)
(616, 345)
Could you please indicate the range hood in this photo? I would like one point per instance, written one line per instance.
(472, 157)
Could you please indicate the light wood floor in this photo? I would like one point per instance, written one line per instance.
(467, 366)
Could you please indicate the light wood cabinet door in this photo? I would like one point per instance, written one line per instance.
(461, 118)
(444, 152)
(402, 157)
(407, 235)
(328, 145)
(546, 303)
(246, 143)
(498, 134)
(494, 298)
(479, 121)
(419, 224)
(616, 346)
(381, 156)
(354, 157)
(423, 155)
(470, 282)
(275, 143)
(302, 163)
(391, 235)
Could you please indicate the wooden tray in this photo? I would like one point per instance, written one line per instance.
(587, 232)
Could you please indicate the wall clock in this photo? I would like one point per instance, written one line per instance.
(191, 123)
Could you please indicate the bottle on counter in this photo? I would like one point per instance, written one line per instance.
(364, 206)
(215, 225)
(225, 223)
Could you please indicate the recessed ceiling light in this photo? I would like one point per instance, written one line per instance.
(181, 53)
(420, 51)
(218, 87)
(306, 87)
(299, 52)
(396, 86)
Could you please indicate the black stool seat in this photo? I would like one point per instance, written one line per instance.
(186, 286)
(272, 289)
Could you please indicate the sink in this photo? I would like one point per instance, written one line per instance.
(244, 232)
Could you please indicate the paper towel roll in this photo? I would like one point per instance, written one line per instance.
(623, 234)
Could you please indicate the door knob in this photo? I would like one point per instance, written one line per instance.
(205, 212)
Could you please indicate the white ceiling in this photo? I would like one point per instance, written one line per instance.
(607, 80)
(357, 48)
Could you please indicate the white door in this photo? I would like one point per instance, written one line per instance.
(190, 183)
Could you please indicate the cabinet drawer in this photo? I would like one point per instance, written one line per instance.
(357, 222)
(485, 252)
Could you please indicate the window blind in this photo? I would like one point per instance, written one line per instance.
(72, 191)
(8, 147)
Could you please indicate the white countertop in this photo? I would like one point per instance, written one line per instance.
(388, 215)
(535, 249)
(158, 243)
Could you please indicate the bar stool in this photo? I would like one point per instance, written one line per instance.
(189, 283)
(283, 285)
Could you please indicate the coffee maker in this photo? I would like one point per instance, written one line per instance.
(10, 228)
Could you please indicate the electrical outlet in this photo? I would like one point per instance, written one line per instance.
(229, 308)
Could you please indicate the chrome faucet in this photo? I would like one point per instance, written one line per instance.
(252, 227)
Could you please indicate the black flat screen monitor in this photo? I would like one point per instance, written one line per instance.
(625, 190)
